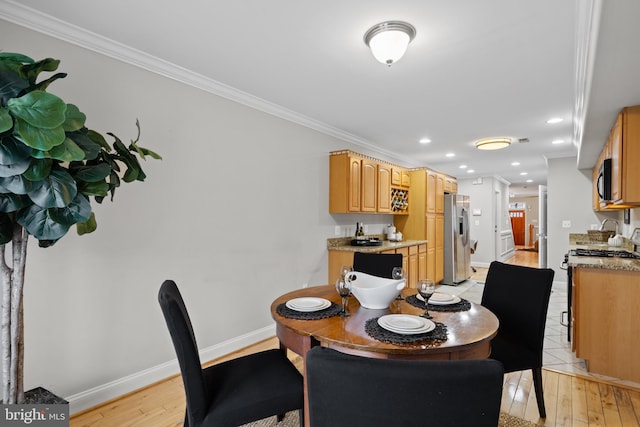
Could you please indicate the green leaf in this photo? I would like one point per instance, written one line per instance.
(15, 169)
(43, 85)
(12, 202)
(90, 148)
(6, 121)
(95, 189)
(142, 152)
(38, 222)
(91, 173)
(38, 170)
(78, 210)
(39, 109)
(15, 57)
(88, 226)
(18, 184)
(98, 139)
(11, 84)
(6, 228)
(56, 191)
(68, 151)
(13, 151)
(38, 138)
(74, 119)
(31, 71)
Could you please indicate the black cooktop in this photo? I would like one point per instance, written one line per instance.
(604, 253)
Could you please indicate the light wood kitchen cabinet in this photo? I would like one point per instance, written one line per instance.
(450, 185)
(400, 178)
(432, 177)
(422, 262)
(396, 177)
(431, 247)
(439, 245)
(405, 179)
(439, 193)
(405, 259)
(605, 321)
(361, 184)
(384, 188)
(369, 186)
(413, 273)
(345, 182)
(423, 223)
(623, 148)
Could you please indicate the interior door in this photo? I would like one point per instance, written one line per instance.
(517, 217)
(542, 232)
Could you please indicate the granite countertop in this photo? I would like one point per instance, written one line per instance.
(609, 263)
(344, 244)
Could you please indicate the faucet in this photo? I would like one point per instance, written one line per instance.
(607, 220)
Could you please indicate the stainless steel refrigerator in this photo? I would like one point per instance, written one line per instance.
(457, 250)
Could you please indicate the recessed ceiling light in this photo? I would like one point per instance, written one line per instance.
(524, 173)
(558, 141)
(425, 141)
(529, 180)
(450, 155)
(470, 171)
(515, 164)
(463, 166)
(554, 120)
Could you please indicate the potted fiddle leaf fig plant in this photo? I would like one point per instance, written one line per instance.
(51, 168)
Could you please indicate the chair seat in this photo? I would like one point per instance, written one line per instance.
(513, 354)
(245, 392)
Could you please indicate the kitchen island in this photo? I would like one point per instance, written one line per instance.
(606, 313)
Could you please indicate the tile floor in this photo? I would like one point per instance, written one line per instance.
(557, 350)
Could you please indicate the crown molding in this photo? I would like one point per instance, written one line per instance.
(588, 14)
(35, 20)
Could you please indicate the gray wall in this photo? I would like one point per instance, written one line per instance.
(236, 213)
(568, 199)
(483, 195)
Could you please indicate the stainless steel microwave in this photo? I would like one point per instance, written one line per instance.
(604, 181)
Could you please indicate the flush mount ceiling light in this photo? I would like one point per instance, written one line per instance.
(389, 40)
(492, 143)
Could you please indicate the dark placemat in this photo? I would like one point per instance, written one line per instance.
(333, 310)
(435, 337)
(463, 305)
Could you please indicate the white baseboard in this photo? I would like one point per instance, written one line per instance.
(480, 264)
(105, 392)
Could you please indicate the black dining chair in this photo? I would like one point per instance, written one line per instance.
(376, 264)
(354, 391)
(230, 393)
(519, 297)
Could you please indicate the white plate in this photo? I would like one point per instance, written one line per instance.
(406, 324)
(439, 296)
(454, 300)
(308, 304)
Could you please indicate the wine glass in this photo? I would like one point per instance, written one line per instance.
(426, 288)
(344, 289)
(344, 270)
(397, 274)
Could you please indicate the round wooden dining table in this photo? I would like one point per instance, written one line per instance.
(469, 332)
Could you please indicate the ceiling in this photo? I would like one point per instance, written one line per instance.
(475, 69)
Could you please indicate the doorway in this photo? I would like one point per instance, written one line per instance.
(518, 221)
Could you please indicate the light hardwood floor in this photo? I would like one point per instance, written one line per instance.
(571, 400)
